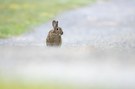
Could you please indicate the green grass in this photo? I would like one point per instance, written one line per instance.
(19, 82)
(21, 85)
(18, 16)
(45, 85)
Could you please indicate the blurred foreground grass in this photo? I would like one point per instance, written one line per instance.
(22, 85)
(17, 16)
(43, 85)
(16, 85)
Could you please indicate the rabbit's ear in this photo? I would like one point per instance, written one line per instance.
(57, 23)
(54, 24)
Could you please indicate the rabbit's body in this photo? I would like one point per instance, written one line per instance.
(54, 36)
(53, 39)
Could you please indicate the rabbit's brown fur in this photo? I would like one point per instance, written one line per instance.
(54, 36)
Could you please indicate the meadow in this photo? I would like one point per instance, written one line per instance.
(19, 16)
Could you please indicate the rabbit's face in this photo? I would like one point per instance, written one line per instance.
(59, 31)
(56, 28)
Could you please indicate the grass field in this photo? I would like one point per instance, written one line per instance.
(19, 83)
(44, 85)
(23, 85)
(17, 16)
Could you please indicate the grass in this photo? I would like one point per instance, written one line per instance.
(17, 16)
(44, 85)
(21, 85)
(19, 82)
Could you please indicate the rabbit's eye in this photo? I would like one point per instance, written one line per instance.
(57, 28)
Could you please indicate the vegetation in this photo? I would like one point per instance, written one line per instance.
(22, 85)
(44, 85)
(17, 16)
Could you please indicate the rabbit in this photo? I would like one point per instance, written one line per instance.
(54, 35)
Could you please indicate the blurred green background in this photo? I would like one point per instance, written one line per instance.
(18, 16)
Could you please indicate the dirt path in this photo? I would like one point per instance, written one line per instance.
(81, 59)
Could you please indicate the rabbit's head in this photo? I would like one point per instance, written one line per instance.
(56, 29)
